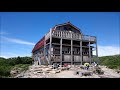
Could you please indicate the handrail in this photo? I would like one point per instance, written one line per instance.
(89, 38)
(68, 34)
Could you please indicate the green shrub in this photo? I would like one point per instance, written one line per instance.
(113, 66)
(21, 67)
(112, 62)
(5, 70)
(6, 65)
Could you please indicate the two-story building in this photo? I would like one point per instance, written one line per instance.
(65, 43)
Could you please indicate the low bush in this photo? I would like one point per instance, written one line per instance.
(6, 65)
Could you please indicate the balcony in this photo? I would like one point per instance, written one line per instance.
(88, 38)
(66, 34)
(69, 35)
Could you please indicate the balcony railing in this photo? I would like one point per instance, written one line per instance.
(66, 34)
(69, 35)
(88, 38)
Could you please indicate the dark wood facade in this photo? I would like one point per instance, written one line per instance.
(65, 43)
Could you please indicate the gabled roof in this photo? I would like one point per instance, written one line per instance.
(67, 23)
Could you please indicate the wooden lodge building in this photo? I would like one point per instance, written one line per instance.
(65, 43)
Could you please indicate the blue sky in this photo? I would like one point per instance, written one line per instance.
(19, 31)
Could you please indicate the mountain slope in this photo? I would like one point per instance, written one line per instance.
(112, 62)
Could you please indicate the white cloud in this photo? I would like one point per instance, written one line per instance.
(11, 54)
(4, 56)
(107, 50)
(17, 41)
(7, 55)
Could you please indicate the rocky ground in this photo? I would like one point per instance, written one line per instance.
(41, 71)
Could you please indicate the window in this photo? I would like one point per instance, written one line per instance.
(65, 28)
(58, 28)
(69, 28)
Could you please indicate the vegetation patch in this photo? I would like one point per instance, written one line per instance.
(112, 62)
(14, 65)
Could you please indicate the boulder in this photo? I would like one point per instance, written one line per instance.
(39, 71)
(53, 72)
(14, 72)
(86, 73)
(118, 71)
(76, 72)
(82, 67)
(97, 70)
(47, 69)
(58, 71)
(83, 73)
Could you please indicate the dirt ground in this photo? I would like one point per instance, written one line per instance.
(36, 71)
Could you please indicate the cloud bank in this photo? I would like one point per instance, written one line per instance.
(18, 41)
(107, 50)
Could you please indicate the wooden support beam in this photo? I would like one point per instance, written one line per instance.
(81, 52)
(44, 49)
(89, 53)
(96, 48)
(39, 60)
(97, 51)
(71, 51)
(50, 44)
(61, 50)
